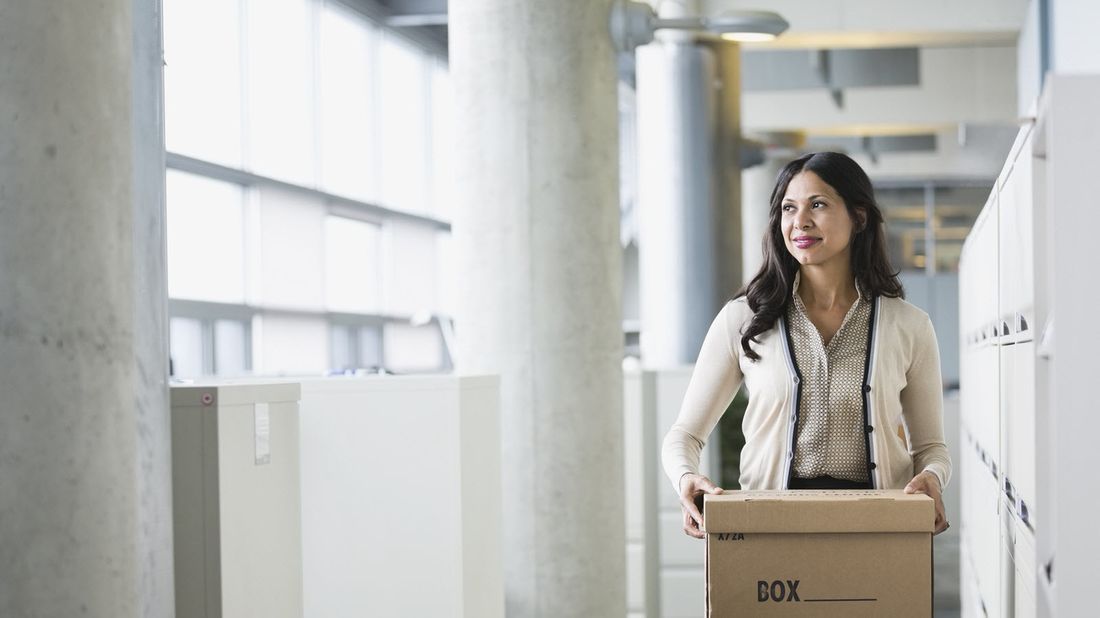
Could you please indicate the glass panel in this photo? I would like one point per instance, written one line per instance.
(346, 110)
(903, 209)
(205, 239)
(405, 117)
(956, 210)
(230, 348)
(202, 79)
(370, 347)
(352, 273)
(185, 345)
(280, 96)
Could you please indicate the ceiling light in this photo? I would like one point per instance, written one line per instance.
(634, 23)
(748, 37)
(747, 25)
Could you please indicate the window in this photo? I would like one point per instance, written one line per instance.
(297, 97)
(910, 209)
(280, 95)
(352, 266)
(205, 239)
(231, 348)
(410, 279)
(370, 346)
(356, 347)
(202, 79)
(347, 141)
(342, 348)
(292, 345)
(405, 118)
(185, 342)
(292, 250)
(209, 346)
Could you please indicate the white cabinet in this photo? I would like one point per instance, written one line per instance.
(1017, 318)
(978, 303)
(1024, 572)
(401, 497)
(1067, 132)
(1029, 417)
(235, 492)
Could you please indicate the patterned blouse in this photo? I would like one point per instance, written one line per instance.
(830, 435)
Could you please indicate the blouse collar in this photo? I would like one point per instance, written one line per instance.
(863, 295)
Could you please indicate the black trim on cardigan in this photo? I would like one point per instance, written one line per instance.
(797, 397)
(867, 426)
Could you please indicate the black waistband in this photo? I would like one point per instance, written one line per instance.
(827, 482)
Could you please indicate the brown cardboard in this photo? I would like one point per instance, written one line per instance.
(819, 553)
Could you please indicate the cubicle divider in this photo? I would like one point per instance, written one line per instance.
(338, 497)
(401, 497)
(236, 500)
(666, 574)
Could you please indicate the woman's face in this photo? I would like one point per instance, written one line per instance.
(816, 225)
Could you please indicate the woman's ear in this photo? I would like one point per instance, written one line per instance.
(861, 219)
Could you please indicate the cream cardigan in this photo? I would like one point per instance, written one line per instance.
(903, 388)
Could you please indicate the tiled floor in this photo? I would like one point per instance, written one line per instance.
(946, 558)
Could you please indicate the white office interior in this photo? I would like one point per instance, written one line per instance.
(333, 308)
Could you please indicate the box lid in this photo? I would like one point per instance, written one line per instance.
(888, 510)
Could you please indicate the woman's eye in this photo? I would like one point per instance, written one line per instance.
(788, 207)
(816, 204)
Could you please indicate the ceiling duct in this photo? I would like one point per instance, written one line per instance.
(833, 69)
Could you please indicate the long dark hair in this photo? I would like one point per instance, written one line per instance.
(770, 290)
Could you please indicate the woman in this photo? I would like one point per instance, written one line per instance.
(833, 359)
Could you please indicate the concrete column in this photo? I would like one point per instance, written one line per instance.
(727, 172)
(536, 233)
(756, 190)
(677, 203)
(85, 512)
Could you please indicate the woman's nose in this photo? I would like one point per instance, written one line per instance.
(802, 220)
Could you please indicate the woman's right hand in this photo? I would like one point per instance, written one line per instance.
(693, 486)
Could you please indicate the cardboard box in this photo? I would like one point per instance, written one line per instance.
(819, 553)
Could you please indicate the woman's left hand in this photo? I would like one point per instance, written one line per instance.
(926, 483)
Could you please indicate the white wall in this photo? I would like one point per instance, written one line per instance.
(1029, 61)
